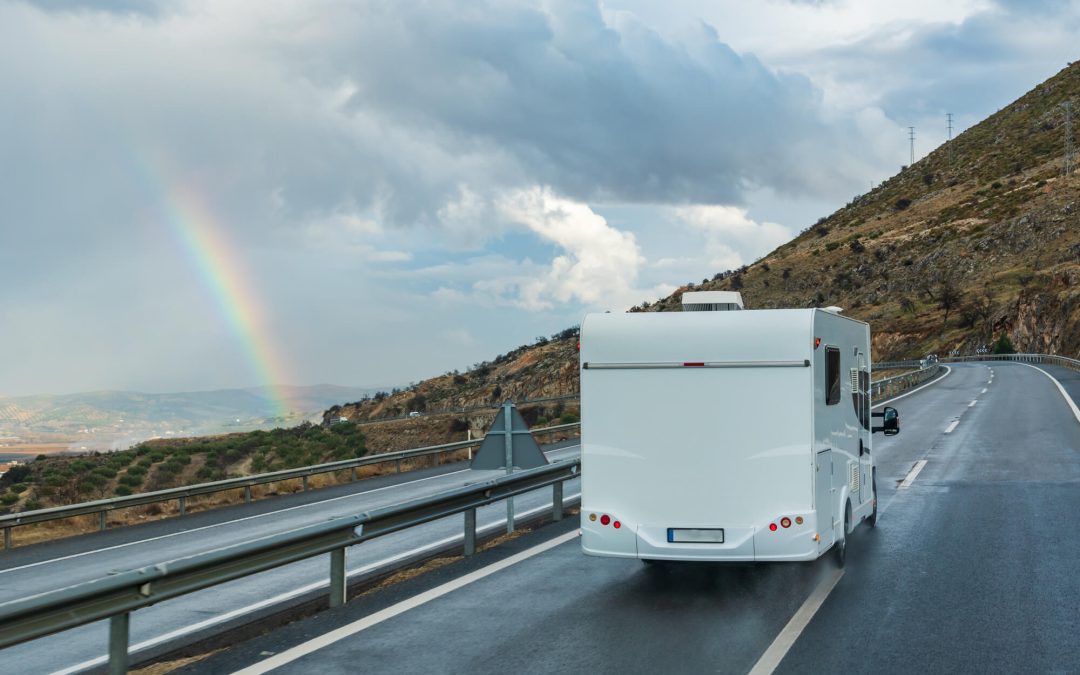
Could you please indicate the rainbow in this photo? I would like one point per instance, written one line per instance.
(223, 274)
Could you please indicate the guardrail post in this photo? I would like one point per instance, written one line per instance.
(398, 466)
(305, 483)
(508, 443)
(556, 501)
(119, 628)
(337, 577)
(435, 459)
(183, 505)
(103, 520)
(470, 532)
(247, 493)
(7, 538)
(353, 473)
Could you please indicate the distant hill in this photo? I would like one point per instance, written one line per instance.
(107, 419)
(978, 240)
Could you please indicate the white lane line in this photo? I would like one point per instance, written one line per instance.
(794, 628)
(983, 391)
(246, 518)
(948, 371)
(1065, 394)
(910, 478)
(348, 630)
(972, 404)
(949, 429)
(282, 597)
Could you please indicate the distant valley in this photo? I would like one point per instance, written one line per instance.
(105, 420)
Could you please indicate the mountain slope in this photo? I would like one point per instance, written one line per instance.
(979, 239)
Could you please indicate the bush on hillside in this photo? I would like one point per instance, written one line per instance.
(1004, 345)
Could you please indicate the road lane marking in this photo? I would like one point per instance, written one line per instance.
(949, 429)
(794, 628)
(246, 518)
(1068, 399)
(972, 404)
(307, 588)
(910, 478)
(948, 371)
(983, 391)
(348, 630)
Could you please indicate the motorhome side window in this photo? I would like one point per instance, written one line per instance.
(832, 376)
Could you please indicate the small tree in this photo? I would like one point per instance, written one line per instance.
(1004, 345)
(949, 298)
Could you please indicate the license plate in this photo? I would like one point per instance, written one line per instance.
(695, 536)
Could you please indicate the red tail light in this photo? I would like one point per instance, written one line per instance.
(785, 522)
(616, 524)
(772, 526)
(605, 519)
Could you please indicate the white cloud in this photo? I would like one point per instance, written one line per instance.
(600, 265)
(732, 238)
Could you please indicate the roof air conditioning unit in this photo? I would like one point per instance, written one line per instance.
(712, 301)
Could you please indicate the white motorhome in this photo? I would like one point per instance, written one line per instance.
(725, 434)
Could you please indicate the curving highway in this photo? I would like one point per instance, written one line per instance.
(972, 568)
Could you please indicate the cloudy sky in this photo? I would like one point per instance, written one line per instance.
(200, 193)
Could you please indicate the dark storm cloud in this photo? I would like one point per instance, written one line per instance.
(563, 98)
(971, 68)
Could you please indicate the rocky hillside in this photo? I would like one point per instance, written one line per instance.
(545, 369)
(979, 239)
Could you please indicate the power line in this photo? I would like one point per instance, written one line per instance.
(911, 138)
(948, 118)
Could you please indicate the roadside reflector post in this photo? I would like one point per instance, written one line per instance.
(556, 501)
(353, 473)
(247, 493)
(508, 441)
(305, 483)
(399, 466)
(119, 628)
(470, 532)
(7, 538)
(337, 577)
(183, 505)
(102, 520)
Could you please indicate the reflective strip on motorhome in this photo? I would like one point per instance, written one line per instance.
(589, 365)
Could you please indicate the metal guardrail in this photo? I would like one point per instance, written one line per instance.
(116, 596)
(182, 494)
(891, 365)
(891, 386)
(1051, 359)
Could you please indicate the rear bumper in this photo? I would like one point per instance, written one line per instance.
(741, 544)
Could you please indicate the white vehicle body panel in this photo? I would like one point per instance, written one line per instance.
(732, 443)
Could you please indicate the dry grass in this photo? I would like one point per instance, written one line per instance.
(58, 529)
(163, 667)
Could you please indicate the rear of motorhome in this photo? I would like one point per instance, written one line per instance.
(725, 434)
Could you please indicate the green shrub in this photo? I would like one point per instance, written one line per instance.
(568, 418)
(1004, 345)
(18, 488)
(9, 498)
(122, 491)
(31, 505)
(832, 246)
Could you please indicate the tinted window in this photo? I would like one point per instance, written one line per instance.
(832, 376)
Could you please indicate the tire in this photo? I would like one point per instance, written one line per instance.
(840, 547)
(873, 484)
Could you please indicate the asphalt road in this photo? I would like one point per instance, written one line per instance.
(972, 568)
(34, 569)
